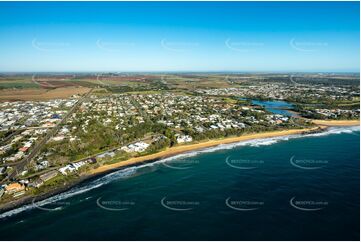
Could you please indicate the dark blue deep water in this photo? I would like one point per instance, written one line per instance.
(298, 188)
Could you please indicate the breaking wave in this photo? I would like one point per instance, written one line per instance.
(130, 171)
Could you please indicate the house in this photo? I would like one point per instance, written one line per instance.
(79, 164)
(18, 194)
(183, 138)
(55, 116)
(48, 124)
(136, 147)
(49, 175)
(19, 155)
(37, 183)
(58, 138)
(68, 168)
(3, 170)
(24, 182)
(42, 165)
(105, 154)
(28, 144)
(23, 149)
(64, 130)
(92, 160)
(72, 167)
(14, 187)
(242, 125)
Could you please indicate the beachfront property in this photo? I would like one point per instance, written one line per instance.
(2, 191)
(49, 175)
(72, 167)
(183, 138)
(136, 147)
(14, 187)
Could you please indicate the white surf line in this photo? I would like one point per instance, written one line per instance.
(128, 172)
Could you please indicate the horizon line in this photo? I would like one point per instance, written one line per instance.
(180, 71)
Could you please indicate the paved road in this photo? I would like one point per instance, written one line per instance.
(139, 107)
(20, 166)
(6, 139)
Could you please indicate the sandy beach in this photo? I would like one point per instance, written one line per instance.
(186, 148)
(336, 122)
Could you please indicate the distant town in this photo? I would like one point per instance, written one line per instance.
(55, 128)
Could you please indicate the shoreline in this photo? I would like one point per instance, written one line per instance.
(199, 146)
(329, 123)
(169, 152)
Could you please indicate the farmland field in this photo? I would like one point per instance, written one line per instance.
(39, 94)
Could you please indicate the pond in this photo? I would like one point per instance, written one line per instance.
(276, 107)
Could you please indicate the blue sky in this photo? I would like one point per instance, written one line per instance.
(179, 36)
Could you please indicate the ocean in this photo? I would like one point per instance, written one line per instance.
(286, 188)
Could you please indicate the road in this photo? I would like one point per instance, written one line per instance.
(20, 166)
(6, 139)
